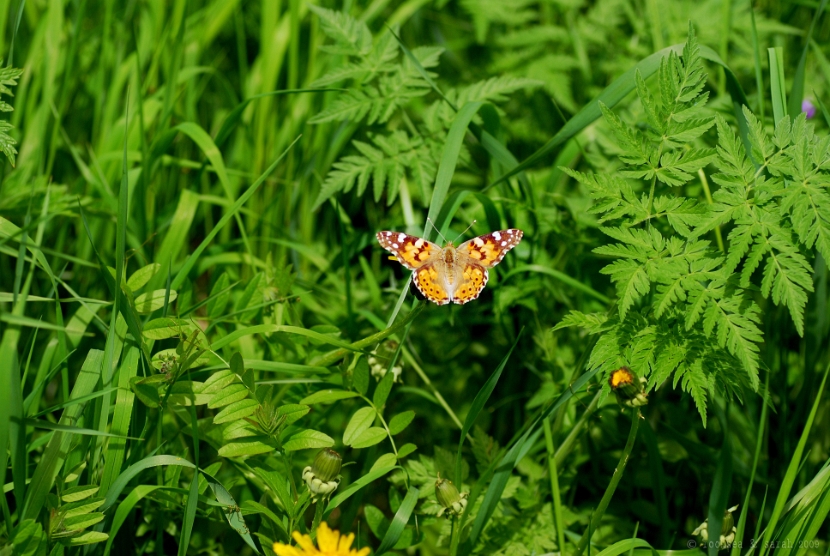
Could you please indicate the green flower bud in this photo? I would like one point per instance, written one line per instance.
(323, 476)
(728, 521)
(628, 387)
(326, 465)
(727, 529)
(448, 496)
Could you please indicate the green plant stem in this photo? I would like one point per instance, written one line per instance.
(455, 536)
(554, 487)
(379, 413)
(612, 486)
(709, 200)
(435, 392)
(319, 506)
(651, 196)
(568, 444)
(333, 357)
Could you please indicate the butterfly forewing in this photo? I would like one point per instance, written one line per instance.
(488, 250)
(412, 252)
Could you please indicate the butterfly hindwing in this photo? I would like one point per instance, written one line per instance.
(428, 281)
(412, 252)
(473, 280)
(488, 250)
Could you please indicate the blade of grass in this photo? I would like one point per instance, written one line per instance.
(558, 521)
(721, 485)
(125, 507)
(562, 277)
(395, 530)
(658, 477)
(52, 460)
(756, 51)
(596, 518)
(193, 496)
(355, 486)
(112, 337)
(777, 84)
(797, 92)
(759, 441)
(792, 468)
(449, 160)
(502, 469)
(618, 90)
(191, 260)
(478, 404)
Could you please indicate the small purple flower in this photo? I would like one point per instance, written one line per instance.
(808, 108)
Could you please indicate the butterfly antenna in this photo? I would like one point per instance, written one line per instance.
(465, 231)
(431, 223)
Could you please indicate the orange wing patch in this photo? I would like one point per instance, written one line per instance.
(427, 282)
(488, 250)
(473, 281)
(411, 251)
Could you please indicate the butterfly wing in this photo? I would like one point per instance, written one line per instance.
(422, 256)
(473, 279)
(431, 284)
(488, 250)
(412, 252)
(476, 256)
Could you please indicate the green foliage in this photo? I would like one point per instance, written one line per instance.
(194, 313)
(8, 79)
(385, 82)
(683, 308)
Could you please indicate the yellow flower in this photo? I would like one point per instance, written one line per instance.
(330, 543)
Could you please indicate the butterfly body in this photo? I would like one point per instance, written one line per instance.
(450, 274)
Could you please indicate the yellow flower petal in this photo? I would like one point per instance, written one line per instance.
(346, 542)
(285, 550)
(327, 539)
(361, 552)
(305, 542)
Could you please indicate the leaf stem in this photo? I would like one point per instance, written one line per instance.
(383, 422)
(442, 402)
(612, 486)
(554, 488)
(319, 506)
(709, 200)
(333, 357)
(651, 195)
(455, 536)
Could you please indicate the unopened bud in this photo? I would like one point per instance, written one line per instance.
(327, 465)
(448, 496)
(628, 387)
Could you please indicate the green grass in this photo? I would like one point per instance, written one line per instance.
(193, 303)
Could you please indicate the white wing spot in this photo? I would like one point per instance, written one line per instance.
(395, 245)
(478, 241)
(497, 236)
(401, 237)
(419, 243)
(503, 243)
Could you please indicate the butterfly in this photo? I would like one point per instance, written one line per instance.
(450, 274)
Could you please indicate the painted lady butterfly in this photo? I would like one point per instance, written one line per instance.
(456, 274)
